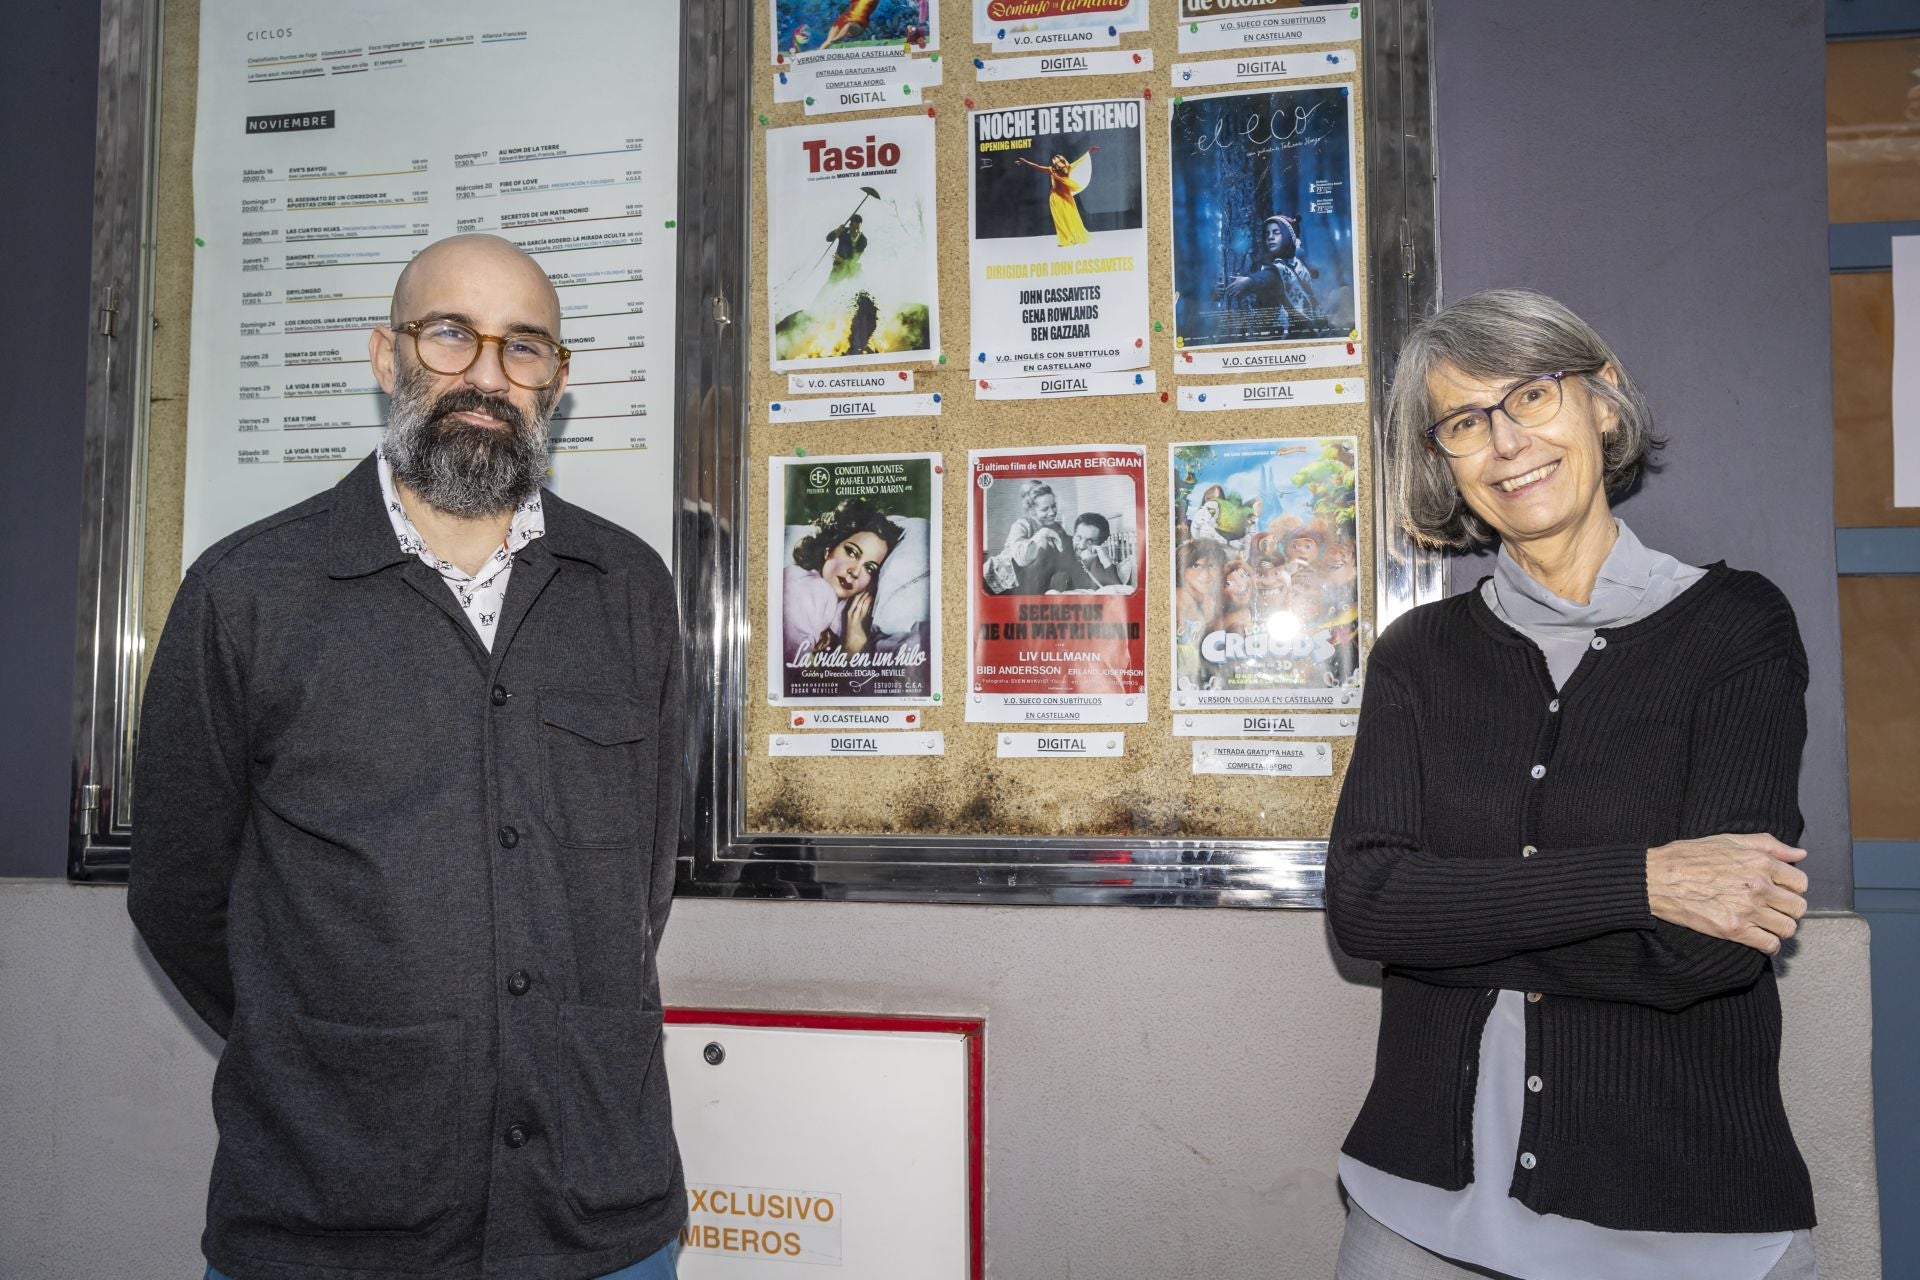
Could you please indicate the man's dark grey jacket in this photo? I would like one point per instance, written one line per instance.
(418, 888)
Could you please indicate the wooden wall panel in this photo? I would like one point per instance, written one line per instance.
(1873, 130)
(1863, 403)
(1880, 648)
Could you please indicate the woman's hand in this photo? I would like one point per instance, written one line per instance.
(1743, 888)
(859, 609)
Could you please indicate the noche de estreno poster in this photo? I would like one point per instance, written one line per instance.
(1056, 605)
(853, 580)
(851, 271)
(1058, 259)
(1264, 250)
(1266, 594)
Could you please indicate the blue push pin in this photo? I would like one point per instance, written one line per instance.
(979, 64)
(1343, 91)
(1203, 397)
(1332, 57)
(936, 397)
(776, 406)
(783, 77)
(982, 357)
(1138, 379)
(1001, 34)
(1186, 75)
(1113, 31)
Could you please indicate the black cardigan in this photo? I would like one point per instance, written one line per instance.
(1463, 873)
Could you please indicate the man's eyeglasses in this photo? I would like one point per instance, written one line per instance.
(1531, 404)
(449, 348)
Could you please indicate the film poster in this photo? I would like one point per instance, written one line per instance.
(813, 26)
(851, 271)
(1265, 244)
(1056, 601)
(1266, 592)
(991, 17)
(853, 580)
(1058, 263)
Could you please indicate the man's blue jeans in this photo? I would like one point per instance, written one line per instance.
(659, 1266)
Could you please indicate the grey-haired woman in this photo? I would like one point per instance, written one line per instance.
(1566, 834)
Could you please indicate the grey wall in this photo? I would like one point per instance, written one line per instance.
(46, 169)
(1166, 1090)
(1680, 206)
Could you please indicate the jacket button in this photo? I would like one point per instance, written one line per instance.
(1535, 1084)
(1526, 1160)
(508, 837)
(1528, 851)
(516, 1135)
(499, 695)
(518, 983)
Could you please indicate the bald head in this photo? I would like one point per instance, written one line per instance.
(460, 272)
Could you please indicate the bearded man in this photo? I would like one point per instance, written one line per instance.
(408, 796)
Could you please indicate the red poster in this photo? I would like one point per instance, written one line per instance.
(1057, 585)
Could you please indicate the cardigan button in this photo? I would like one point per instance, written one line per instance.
(1599, 642)
(1528, 851)
(1553, 707)
(1526, 1160)
(1533, 997)
(1538, 771)
(1535, 1084)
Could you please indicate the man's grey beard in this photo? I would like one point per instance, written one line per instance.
(457, 467)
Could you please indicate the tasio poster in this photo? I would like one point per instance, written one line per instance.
(853, 580)
(851, 268)
(1266, 596)
(1056, 601)
(1058, 259)
(1264, 249)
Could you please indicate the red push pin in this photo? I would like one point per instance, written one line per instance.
(929, 111)
(1139, 342)
(903, 375)
(1187, 356)
(1136, 59)
(983, 384)
(1163, 397)
(1145, 93)
(968, 102)
(1349, 348)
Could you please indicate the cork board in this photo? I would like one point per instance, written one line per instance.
(1151, 791)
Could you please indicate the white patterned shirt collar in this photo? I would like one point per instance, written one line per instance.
(480, 594)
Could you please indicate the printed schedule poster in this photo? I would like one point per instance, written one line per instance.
(992, 18)
(326, 155)
(1058, 258)
(853, 580)
(851, 266)
(1056, 600)
(1266, 601)
(1264, 244)
(812, 26)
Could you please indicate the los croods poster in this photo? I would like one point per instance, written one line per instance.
(1264, 245)
(851, 273)
(1058, 254)
(853, 581)
(1056, 605)
(1265, 584)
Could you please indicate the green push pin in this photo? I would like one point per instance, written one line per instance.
(934, 58)
(1178, 101)
(799, 453)
(943, 358)
(1156, 326)
(671, 224)
(763, 120)
(809, 103)
(907, 89)
(1194, 27)
(198, 243)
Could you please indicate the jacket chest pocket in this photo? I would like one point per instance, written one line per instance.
(596, 766)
